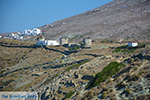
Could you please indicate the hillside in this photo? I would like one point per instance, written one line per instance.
(118, 19)
(108, 69)
(104, 71)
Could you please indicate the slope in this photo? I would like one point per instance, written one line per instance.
(118, 19)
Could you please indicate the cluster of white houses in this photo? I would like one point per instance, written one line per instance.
(21, 35)
(15, 36)
(30, 32)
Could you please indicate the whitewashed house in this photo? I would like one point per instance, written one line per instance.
(51, 42)
(132, 44)
(47, 42)
(36, 31)
(20, 37)
(12, 35)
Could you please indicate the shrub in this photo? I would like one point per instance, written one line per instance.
(127, 90)
(104, 95)
(68, 95)
(117, 50)
(88, 95)
(107, 72)
(124, 48)
(134, 78)
(103, 41)
(122, 84)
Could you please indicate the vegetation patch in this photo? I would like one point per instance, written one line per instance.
(107, 72)
(122, 84)
(88, 96)
(127, 90)
(76, 47)
(104, 41)
(125, 48)
(69, 94)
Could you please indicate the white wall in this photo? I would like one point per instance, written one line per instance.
(47, 42)
(51, 42)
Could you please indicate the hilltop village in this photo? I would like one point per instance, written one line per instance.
(41, 41)
(25, 35)
(35, 34)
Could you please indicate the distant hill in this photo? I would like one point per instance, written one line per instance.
(129, 19)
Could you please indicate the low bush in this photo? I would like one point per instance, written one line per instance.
(122, 84)
(134, 78)
(107, 72)
(127, 90)
(125, 48)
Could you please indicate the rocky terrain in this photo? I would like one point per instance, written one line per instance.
(108, 69)
(128, 19)
(56, 73)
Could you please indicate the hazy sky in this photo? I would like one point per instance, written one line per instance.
(18, 15)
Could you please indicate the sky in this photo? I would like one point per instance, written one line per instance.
(18, 15)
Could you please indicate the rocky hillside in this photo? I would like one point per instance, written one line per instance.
(118, 19)
(105, 71)
(129, 81)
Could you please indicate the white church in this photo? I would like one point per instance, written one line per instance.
(41, 41)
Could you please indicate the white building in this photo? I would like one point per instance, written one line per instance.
(51, 42)
(47, 42)
(12, 35)
(132, 44)
(20, 37)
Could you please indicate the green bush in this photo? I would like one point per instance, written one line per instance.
(124, 48)
(122, 84)
(117, 50)
(104, 95)
(127, 90)
(103, 41)
(108, 71)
